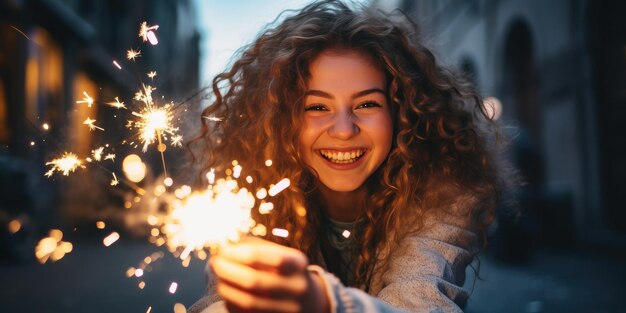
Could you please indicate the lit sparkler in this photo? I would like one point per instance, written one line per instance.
(215, 217)
(155, 123)
(67, 163)
(211, 218)
(152, 74)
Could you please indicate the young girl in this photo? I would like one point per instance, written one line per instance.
(390, 157)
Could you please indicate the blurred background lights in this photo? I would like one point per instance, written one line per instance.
(134, 169)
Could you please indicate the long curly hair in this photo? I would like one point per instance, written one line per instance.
(443, 139)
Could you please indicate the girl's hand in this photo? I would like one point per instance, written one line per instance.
(256, 275)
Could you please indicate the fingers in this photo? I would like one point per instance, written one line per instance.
(258, 281)
(266, 255)
(257, 275)
(249, 302)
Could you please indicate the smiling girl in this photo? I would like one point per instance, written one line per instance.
(391, 158)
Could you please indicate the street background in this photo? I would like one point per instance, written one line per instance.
(555, 71)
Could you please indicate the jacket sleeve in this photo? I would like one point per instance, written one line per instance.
(211, 301)
(425, 273)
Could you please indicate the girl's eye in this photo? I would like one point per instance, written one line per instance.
(368, 104)
(315, 107)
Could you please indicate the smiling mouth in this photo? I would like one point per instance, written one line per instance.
(342, 157)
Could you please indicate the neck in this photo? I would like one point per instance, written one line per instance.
(344, 206)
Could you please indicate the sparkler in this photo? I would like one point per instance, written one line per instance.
(67, 163)
(212, 218)
(152, 74)
(209, 219)
(155, 123)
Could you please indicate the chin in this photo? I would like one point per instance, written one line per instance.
(338, 186)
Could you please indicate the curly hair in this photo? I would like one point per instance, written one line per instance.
(443, 139)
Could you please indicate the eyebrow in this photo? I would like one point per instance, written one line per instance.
(323, 94)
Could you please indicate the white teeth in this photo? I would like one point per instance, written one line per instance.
(342, 157)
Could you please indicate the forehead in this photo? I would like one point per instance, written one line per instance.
(344, 69)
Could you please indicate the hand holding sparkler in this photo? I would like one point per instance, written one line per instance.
(258, 275)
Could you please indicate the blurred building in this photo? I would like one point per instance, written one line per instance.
(51, 51)
(558, 69)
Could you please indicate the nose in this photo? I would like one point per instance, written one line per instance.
(343, 126)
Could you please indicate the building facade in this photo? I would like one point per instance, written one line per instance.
(52, 52)
(558, 69)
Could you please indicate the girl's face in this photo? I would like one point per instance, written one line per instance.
(348, 129)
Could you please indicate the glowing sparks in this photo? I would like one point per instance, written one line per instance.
(346, 233)
(132, 54)
(261, 193)
(90, 122)
(97, 154)
(211, 176)
(279, 232)
(152, 74)
(145, 95)
(117, 104)
(117, 65)
(100, 225)
(208, 219)
(67, 163)
(154, 125)
(87, 99)
(266, 207)
(280, 186)
(110, 156)
(110, 239)
(19, 31)
(213, 118)
(146, 32)
(114, 181)
(45, 126)
(173, 287)
(52, 247)
(177, 141)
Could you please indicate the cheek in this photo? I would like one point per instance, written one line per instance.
(381, 131)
